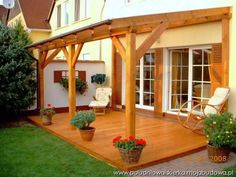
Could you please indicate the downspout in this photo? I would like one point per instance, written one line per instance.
(100, 41)
(37, 77)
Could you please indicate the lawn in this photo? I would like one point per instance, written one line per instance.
(31, 152)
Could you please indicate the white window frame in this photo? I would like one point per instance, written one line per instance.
(141, 91)
(168, 76)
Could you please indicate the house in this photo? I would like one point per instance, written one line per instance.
(188, 49)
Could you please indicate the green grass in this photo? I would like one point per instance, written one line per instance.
(230, 170)
(31, 152)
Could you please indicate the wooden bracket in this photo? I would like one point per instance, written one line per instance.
(76, 54)
(51, 57)
(66, 53)
(119, 47)
(148, 42)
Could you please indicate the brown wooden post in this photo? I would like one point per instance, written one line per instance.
(42, 57)
(113, 77)
(225, 51)
(130, 83)
(71, 84)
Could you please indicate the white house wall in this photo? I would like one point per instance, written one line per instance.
(196, 35)
(56, 95)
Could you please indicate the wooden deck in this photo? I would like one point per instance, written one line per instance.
(165, 138)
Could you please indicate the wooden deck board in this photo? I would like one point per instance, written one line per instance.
(165, 139)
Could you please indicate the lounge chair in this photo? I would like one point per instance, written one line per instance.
(101, 100)
(199, 110)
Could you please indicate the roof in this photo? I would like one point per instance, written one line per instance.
(137, 24)
(35, 13)
(3, 14)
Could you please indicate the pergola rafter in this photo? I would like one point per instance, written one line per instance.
(129, 28)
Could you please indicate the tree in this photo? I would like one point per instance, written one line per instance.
(17, 74)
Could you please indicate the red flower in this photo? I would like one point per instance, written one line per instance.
(49, 113)
(116, 139)
(131, 138)
(136, 142)
(142, 142)
(49, 105)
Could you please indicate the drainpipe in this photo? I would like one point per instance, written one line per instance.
(100, 41)
(37, 77)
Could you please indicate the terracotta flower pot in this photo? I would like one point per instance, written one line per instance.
(47, 120)
(130, 156)
(87, 135)
(218, 155)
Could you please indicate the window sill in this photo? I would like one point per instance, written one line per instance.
(81, 20)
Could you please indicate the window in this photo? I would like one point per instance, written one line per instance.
(189, 76)
(81, 9)
(58, 16)
(77, 10)
(145, 81)
(86, 56)
(66, 13)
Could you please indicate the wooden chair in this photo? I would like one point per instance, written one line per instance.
(199, 111)
(101, 100)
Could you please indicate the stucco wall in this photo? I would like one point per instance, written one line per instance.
(232, 63)
(56, 95)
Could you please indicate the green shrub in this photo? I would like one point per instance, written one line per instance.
(17, 74)
(81, 85)
(220, 130)
(83, 119)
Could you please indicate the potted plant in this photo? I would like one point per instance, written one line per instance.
(220, 131)
(98, 79)
(130, 148)
(81, 85)
(47, 114)
(82, 121)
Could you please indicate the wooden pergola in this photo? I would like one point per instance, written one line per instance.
(72, 42)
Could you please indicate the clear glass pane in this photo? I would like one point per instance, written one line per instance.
(185, 59)
(146, 99)
(197, 90)
(176, 58)
(184, 73)
(176, 71)
(184, 87)
(137, 72)
(152, 72)
(137, 85)
(207, 56)
(175, 104)
(206, 90)
(146, 73)
(176, 87)
(197, 57)
(137, 98)
(152, 100)
(197, 73)
(146, 85)
(206, 75)
(148, 59)
(152, 86)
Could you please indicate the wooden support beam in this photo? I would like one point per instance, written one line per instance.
(119, 47)
(76, 54)
(66, 53)
(51, 57)
(148, 42)
(225, 51)
(113, 77)
(130, 83)
(71, 86)
(42, 56)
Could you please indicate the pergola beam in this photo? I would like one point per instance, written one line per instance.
(225, 51)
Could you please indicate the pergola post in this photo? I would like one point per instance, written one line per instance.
(130, 83)
(42, 58)
(225, 51)
(71, 84)
(113, 77)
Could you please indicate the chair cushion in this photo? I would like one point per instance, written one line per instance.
(103, 94)
(216, 100)
(98, 104)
